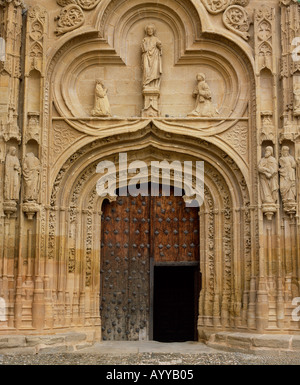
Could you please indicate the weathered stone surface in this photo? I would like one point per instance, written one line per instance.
(164, 81)
(274, 341)
(12, 342)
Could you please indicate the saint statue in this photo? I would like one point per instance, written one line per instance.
(268, 170)
(102, 106)
(287, 176)
(297, 100)
(152, 58)
(12, 176)
(31, 175)
(202, 93)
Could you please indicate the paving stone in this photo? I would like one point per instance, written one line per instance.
(56, 349)
(296, 342)
(274, 341)
(46, 340)
(75, 337)
(12, 342)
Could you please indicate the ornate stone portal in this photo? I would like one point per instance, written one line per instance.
(242, 120)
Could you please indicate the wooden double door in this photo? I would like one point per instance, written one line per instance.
(140, 235)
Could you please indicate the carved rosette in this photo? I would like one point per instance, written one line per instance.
(218, 6)
(72, 16)
(236, 19)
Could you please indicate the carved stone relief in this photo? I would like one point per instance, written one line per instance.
(203, 95)
(102, 106)
(31, 175)
(288, 187)
(71, 17)
(236, 19)
(12, 176)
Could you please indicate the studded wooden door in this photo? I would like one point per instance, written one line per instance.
(137, 233)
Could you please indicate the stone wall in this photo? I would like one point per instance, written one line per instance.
(73, 92)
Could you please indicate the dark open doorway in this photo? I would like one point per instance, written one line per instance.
(176, 294)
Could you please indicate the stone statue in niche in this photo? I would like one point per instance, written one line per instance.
(152, 58)
(268, 171)
(33, 129)
(12, 176)
(31, 175)
(102, 106)
(297, 100)
(287, 176)
(202, 93)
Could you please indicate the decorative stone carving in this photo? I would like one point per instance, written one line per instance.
(268, 172)
(236, 19)
(102, 106)
(288, 180)
(12, 176)
(152, 71)
(84, 4)
(152, 58)
(31, 175)
(87, 5)
(267, 130)
(33, 126)
(216, 6)
(237, 137)
(71, 17)
(265, 28)
(203, 95)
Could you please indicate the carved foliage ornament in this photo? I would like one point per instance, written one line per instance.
(84, 4)
(16, 3)
(70, 18)
(218, 6)
(236, 19)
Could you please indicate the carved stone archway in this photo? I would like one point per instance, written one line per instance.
(228, 263)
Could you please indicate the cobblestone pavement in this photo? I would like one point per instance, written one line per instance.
(151, 359)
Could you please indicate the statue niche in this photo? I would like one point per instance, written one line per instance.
(152, 71)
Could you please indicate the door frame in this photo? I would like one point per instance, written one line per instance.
(197, 283)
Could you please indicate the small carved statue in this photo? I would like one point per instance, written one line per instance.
(102, 106)
(12, 176)
(268, 170)
(297, 100)
(31, 175)
(202, 93)
(152, 58)
(287, 176)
